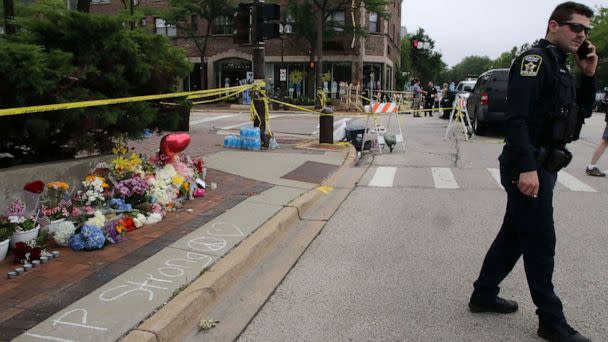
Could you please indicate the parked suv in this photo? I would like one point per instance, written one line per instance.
(488, 101)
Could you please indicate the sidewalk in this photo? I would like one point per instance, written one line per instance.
(102, 295)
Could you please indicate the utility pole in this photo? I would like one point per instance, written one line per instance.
(258, 74)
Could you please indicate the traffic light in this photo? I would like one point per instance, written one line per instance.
(242, 25)
(265, 14)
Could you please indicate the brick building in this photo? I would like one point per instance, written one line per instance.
(371, 60)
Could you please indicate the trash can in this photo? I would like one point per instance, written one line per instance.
(354, 135)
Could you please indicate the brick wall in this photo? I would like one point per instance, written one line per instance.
(294, 48)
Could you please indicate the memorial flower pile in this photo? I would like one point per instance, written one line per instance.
(128, 193)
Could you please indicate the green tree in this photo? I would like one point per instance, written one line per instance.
(599, 37)
(319, 26)
(424, 64)
(65, 56)
(470, 66)
(185, 14)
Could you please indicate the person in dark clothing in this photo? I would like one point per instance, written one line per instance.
(429, 99)
(544, 113)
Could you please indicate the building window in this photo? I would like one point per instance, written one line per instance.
(164, 29)
(223, 25)
(336, 20)
(373, 22)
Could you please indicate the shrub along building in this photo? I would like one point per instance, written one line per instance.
(369, 58)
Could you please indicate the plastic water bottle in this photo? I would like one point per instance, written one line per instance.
(226, 141)
(257, 144)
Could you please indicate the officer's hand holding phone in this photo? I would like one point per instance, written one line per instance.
(586, 58)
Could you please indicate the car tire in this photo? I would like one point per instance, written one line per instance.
(478, 127)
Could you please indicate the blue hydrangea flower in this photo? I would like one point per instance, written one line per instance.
(76, 243)
(92, 236)
(120, 204)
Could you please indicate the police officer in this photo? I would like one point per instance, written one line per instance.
(544, 113)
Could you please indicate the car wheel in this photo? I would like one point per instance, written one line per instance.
(477, 126)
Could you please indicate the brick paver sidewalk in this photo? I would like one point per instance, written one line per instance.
(36, 295)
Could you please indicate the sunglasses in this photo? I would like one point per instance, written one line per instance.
(576, 27)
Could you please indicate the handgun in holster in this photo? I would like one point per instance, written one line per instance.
(553, 159)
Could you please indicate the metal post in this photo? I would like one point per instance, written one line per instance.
(258, 75)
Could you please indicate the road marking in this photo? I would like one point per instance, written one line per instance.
(570, 182)
(443, 178)
(384, 176)
(496, 175)
(248, 122)
(213, 118)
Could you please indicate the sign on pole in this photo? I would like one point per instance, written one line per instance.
(283, 76)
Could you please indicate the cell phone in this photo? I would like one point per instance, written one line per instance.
(583, 50)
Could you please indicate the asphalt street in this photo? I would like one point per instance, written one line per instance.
(396, 262)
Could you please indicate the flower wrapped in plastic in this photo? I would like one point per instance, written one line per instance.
(62, 232)
(94, 192)
(133, 190)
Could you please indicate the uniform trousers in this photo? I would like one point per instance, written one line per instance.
(527, 230)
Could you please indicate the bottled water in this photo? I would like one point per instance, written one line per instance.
(227, 141)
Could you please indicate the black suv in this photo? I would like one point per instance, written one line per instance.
(488, 101)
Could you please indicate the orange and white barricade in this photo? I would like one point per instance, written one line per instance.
(385, 107)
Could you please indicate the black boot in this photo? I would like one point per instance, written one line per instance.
(499, 305)
(559, 332)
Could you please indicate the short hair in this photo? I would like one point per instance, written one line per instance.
(564, 11)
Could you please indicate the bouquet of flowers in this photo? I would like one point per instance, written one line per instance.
(26, 251)
(7, 228)
(132, 190)
(124, 168)
(94, 192)
(62, 232)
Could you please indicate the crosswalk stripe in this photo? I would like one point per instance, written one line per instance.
(443, 178)
(213, 118)
(570, 182)
(384, 176)
(496, 175)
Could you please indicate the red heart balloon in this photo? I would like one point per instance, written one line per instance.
(172, 144)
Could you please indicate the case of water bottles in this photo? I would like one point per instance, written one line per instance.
(249, 139)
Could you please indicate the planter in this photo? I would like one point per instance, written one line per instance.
(3, 249)
(24, 236)
(51, 227)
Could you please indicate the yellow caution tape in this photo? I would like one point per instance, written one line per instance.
(97, 103)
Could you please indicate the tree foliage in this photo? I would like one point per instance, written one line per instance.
(64, 56)
(424, 64)
(599, 37)
(182, 13)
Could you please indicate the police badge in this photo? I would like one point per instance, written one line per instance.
(530, 65)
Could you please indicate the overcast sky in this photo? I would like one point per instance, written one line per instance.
(463, 28)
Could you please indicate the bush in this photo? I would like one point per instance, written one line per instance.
(65, 56)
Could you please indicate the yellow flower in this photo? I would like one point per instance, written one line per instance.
(177, 180)
(58, 185)
(120, 228)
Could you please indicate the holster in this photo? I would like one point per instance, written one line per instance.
(553, 159)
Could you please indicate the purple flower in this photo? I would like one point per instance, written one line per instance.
(132, 186)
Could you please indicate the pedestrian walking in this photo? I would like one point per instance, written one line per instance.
(592, 169)
(542, 117)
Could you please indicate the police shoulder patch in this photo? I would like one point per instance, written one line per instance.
(530, 65)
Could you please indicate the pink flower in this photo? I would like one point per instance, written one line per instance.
(75, 212)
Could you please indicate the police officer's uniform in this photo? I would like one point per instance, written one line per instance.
(543, 115)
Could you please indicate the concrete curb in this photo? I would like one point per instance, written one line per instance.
(183, 312)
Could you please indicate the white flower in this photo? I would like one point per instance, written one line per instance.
(16, 219)
(63, 232)
(154, 218)
(139, 220)
(97, 220)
